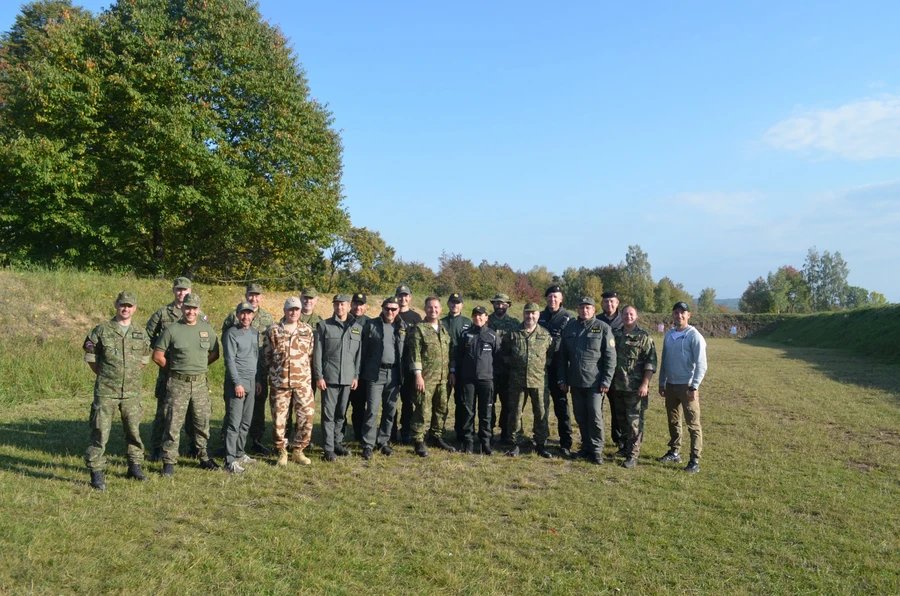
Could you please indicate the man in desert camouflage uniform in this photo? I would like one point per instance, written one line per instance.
(288, 350)
(429, 355)
(309, 297)
(162, 318)
(527, 352)
(117, 353)
(502, 323)
(635, 365)
(261, 321)
(186, 349)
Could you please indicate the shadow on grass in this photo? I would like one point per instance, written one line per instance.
(842, 366)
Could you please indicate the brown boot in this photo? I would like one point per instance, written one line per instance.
(282, 458)
(298, 458)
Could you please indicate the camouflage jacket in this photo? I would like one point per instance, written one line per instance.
(527, 356)
(502, 327)
(120, 356)
(312, 319)
(261, 321)
(635, 353)
(429, 352)
(164, 317)
(288, 356)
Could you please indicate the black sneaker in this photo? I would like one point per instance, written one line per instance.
(420, 449)
(542, 451)
(330, 456)
(565, 452)
(367, 453)
(597, 460)
(208, 464)
(468, 448)
(514, 452)
(156, 455)
(386, 450)
(258, 448)
(670, 457)
(134, 471)
(168, 470)
(629, 463)
(339, 450)
(693, 467)
(98, 482)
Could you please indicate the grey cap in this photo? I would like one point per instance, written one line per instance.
(254, 289)
(531, 307)
(309, 293)
(192, 299)
(293, 302)
(402, 289)
(501, 298)
(244, 306)
(181, 283)
(341, 298)
(586, 300)
(126, 298)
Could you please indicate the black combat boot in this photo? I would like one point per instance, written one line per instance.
(486, 449)
(541, 450)
(134, 471)
(209, 464)
(168, 470)
(98, 482)
(514, 452)
(156, 455)
(421, 451)
(440, 443)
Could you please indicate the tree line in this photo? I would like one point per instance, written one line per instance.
(821, 285)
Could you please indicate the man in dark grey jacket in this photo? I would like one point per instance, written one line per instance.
(383, 341)
(336, 371)
(587, 362)
(242, 384)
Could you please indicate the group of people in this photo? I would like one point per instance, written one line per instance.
(395, 360)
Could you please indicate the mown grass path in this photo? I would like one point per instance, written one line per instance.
(798, 493)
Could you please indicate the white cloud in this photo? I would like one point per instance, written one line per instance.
(866, 129)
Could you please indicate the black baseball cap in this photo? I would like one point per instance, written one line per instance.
(479, 310)
(683, 306)
(609, 294)
(455, 297)
(359, 297)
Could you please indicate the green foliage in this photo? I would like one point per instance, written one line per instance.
(637, 280)
(826, 276)
(364, 262)
(667, 293)
(789, 291)
(168, 136)
(757, 297)
(707, 301)
(456, 274)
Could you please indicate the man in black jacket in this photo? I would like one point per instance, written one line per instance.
(554, 318)
(472, 369)
(383, 342)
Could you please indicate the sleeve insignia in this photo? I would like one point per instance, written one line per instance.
(612, 342)
(88, 346)
(205, 319)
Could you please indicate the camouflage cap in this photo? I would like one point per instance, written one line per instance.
(552, 290)
(479, 310)
(683, 306)
(389, 301)
(359, 297)
(341, 298)
(244, 306)
(309, 293)
(402, 289)
(254, 289)
(292, 302)
(455, 297)
(126, 297)
(181, 283)
(609, 294)
(501, 298)
(531, 307)
(586, 300)
(192, 300)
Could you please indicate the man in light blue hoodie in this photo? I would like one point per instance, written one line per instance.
(681, 371)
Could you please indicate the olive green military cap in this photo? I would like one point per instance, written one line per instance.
(254, 289)
(531, 307)
(292, 302)
(586, 300)
(501, 298)
(182, 283)
(309, 293)
(193, 300)
(341, 298)
(126, 298)
(244, 306)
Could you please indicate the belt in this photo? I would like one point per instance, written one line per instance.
(387, 366)
(188, 378)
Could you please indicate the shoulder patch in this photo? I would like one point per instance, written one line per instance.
(612, 342)
(205, 319)
(137, 335)
(204, 334)
(88, 346)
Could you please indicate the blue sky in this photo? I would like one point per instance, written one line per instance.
(725, 139)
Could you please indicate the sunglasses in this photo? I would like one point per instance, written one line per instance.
(390, 309)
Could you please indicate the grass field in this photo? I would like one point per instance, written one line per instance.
(798, 490)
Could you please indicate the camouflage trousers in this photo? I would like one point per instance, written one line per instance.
(303, 402)
(157, 433)
(629, 410)
(676, 396)
(433, 399)
(180, 397)
(102, 412)
(517, 398)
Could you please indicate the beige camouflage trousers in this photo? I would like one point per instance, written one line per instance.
(303, 403)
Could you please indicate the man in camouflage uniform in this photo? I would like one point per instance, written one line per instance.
(429, 355)
(185, 350)
(502, 323)
(336, 362)
(261, 321)
(527, 351)
(162, 318)
(309, 297)
(456, 323)
(287, 353)
(116, 353)
(635, 365)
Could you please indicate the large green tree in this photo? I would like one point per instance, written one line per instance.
(637, 279)
(163, 136)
